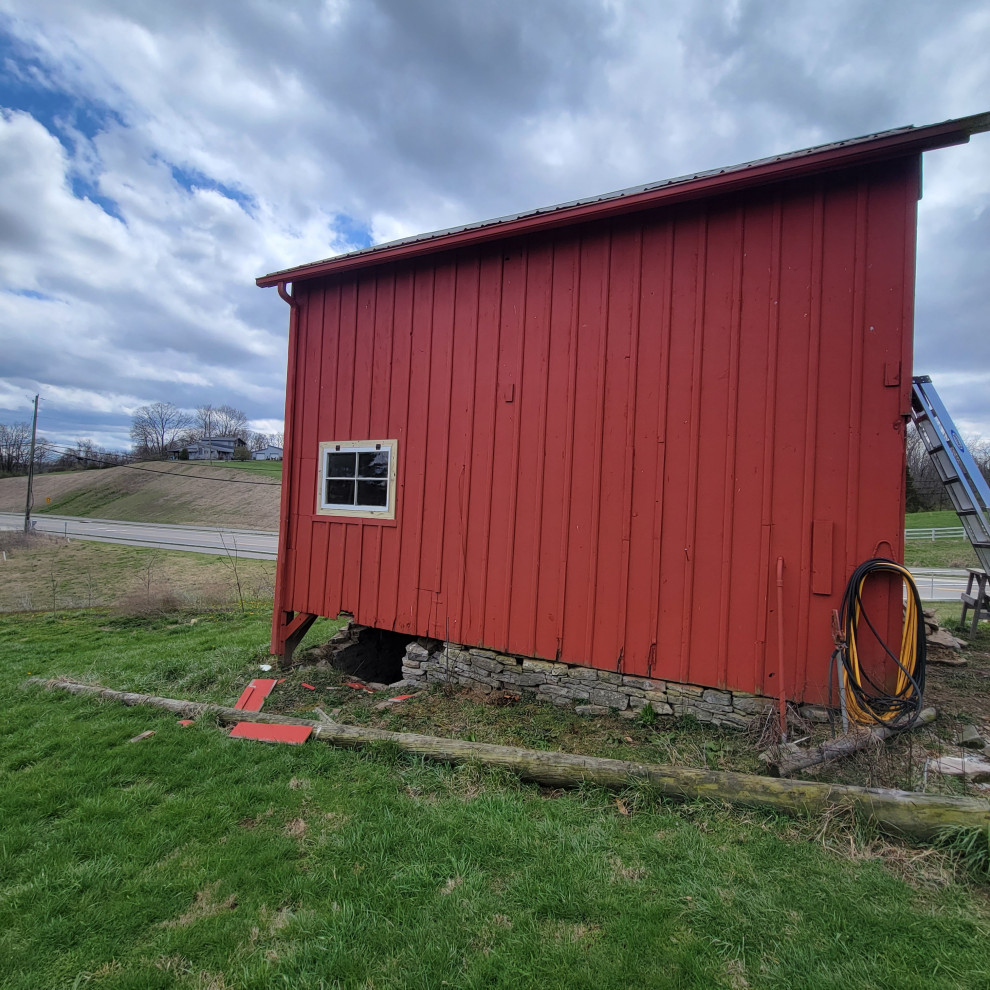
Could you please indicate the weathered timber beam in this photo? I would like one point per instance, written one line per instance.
(917, 816)
(789, 761)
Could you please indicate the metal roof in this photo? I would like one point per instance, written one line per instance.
(826, 157)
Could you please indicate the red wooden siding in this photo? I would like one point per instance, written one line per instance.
(608, 434)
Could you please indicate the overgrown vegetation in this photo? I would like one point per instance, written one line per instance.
(43, 573)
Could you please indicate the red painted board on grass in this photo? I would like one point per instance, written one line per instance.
(293, 734)
(186, 721)
(358, 687)
(402, 697)
(246, 696)
(253, 696)
(310, 686)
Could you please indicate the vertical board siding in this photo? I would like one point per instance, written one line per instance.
(607, 437)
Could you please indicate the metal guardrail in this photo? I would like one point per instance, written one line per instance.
(936, 533)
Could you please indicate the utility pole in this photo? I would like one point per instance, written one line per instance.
(30, 501)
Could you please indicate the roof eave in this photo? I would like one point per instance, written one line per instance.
(857, 152)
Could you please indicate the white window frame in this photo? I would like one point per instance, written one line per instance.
(386, 511)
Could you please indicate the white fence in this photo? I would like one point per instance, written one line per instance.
(935, 533)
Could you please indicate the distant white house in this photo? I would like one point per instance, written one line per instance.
(268, 453)
(209, 449)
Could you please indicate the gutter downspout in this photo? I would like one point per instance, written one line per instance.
(279, 619)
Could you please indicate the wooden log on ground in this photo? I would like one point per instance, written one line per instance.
(916, 816)
(788, 761)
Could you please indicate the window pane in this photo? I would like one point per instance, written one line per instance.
(373, 464)
(372, 493)
(340, 492)
(341, 464)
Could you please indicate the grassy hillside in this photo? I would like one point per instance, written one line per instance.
(244, 496)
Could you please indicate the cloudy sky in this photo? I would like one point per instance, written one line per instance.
(156, 157)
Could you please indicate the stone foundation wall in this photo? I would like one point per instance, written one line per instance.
(589, 691)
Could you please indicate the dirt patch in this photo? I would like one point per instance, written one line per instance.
(296, 828)
(205, 905)
(735, 970)
(962, 691)
(451, 885)
(270, 922)
(620, 871)
(564, 931)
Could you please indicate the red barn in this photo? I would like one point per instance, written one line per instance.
(592, 434)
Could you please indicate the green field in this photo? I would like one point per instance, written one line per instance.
(951, 554)
(924, 520)
(271, 469)
(192, 860)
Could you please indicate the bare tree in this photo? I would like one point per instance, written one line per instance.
(156, 426)
(230, 422)
(927, 484)
(89, 455)
(204, 426)
(219, 421)
(15, 445)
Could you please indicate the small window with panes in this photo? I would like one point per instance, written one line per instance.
(357, 478)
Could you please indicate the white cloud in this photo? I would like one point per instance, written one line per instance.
(299, 127)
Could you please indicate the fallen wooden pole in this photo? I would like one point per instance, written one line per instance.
(788, 761)
(917, 816)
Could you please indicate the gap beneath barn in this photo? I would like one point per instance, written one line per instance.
(368, 653)
(379, 655)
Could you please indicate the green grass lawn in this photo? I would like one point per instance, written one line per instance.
(925, 520)
(272, 469)
(950, 554)
(193, 860)
(953, 554)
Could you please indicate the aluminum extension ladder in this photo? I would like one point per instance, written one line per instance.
(963, 480)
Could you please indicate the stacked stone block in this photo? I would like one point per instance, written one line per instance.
(588, 691)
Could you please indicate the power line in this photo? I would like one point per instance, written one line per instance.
(106, 462)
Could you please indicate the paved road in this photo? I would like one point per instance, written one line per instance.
(934, 585)
(939, 586)
(195, 539)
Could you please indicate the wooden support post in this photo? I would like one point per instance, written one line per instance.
(290, 629)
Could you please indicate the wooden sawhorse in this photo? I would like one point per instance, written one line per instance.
(980, 602)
